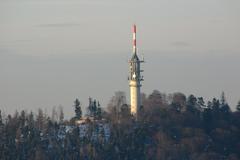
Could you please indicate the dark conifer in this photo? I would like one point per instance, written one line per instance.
(99, 111)
(78, 110)
(1, 121)
(238, 106)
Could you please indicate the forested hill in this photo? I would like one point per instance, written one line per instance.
(170, 127)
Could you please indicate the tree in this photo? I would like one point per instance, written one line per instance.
(61, 114)
(94, 109)
(224, 107)
(191, 103)
(1, 122)
(215, 105)
(201, 103)
(54, 114)
(178, 101)
(40, 119)
(223, 99)
(157, 99)
(161, 133)
(30, 120)
(114, 106)
(125, 115)
(22, 118)
(2, 138)
(78, 110)
(125, 110)
(99, 111)
(238, 106)
(39, 154)
(117, 101)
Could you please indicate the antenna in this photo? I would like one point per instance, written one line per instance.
(142, 58)
(134, 30)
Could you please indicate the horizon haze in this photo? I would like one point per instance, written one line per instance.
(53, 51)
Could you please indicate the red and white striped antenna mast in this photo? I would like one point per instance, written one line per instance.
(134, 30)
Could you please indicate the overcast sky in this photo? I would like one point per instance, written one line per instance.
(52, 51)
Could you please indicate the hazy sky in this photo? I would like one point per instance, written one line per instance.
(52, 51)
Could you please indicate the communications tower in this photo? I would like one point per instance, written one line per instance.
(135, 78)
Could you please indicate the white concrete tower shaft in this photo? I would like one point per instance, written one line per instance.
(135, 78)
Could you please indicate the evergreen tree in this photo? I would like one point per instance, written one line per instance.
(223, 99)
(1, 122)
(238, 106)
(2, 138)
(201, 103)
(209, 105)
(30, 120)
(40, 119)
(94, 109)
(215, 105)
(78, 110)
(99, 111)
(54, 114)
(162, 134)
(61, 114)
(90, 104)
(191, 103)
(22, 118)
